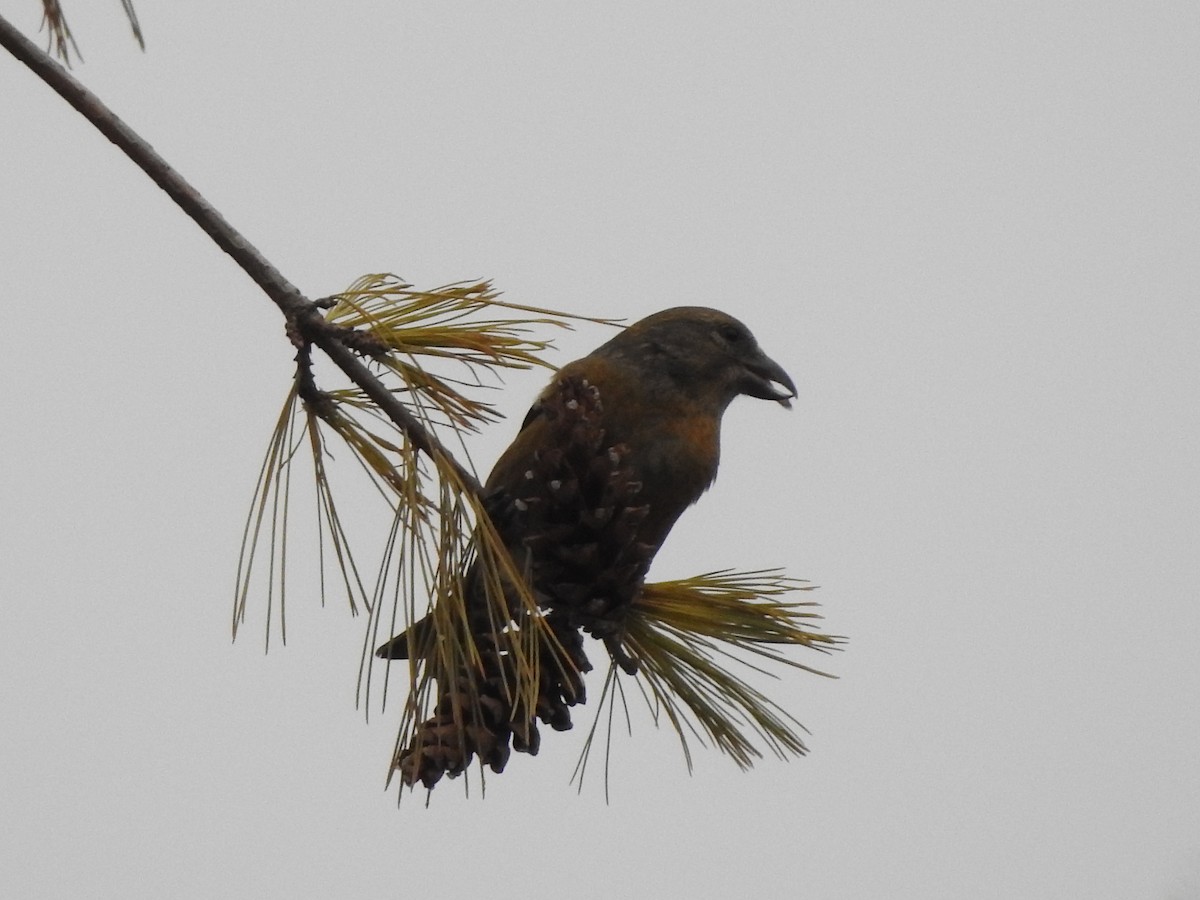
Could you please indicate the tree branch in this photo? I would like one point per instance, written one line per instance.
(297, 308)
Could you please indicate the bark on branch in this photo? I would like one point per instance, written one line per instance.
(301, 313)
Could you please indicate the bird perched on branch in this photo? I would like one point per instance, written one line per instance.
(612, 452)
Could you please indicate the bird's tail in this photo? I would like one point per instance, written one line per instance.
(419, 636)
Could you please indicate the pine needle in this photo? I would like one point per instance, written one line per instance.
(682, 632)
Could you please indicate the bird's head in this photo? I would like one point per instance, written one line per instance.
(704, 351)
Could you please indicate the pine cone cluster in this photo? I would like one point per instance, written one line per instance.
(573, 524)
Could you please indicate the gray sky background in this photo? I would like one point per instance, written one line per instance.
(970, 233)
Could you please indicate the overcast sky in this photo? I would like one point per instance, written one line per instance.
(969, 231)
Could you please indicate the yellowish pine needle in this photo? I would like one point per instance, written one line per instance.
(682, 633)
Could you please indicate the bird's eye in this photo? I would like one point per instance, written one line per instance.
(731, 333)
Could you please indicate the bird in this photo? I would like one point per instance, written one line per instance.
(610, 455)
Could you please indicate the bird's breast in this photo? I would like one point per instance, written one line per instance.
(675, 458)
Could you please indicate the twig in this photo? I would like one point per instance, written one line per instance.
(299, 310)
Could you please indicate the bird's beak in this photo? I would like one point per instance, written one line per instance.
(766, 380)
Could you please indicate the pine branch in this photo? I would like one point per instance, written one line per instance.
(301, 313)
(505, 661)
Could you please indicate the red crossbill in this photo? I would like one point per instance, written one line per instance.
(612, 452)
